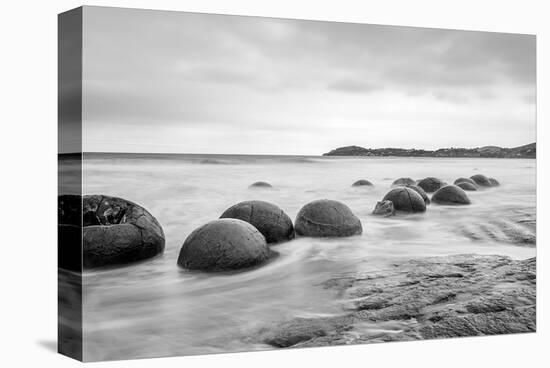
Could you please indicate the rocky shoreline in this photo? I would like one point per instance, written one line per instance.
(437, 297)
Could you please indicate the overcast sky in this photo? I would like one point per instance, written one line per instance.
(193, 83)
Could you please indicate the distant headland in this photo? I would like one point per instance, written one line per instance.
(526, 151)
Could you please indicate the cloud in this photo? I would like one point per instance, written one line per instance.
(175, 69)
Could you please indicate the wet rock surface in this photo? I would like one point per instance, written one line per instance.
(518, 228)
(405, 200)
(270, 220)
(224, 245)
(450, 296)
(494, 182)
(451, 194)
(327, 218)
(384, 208)
(430, 184)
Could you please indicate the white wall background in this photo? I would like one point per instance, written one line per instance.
(28, 293)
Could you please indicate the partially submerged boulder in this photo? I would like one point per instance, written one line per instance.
(224, 245)
(327, 218)
(270, 220)
(116, 231)
(362, 183)
(481, 180)
(431, 184)
(467, 186)
(450, 194)
(260, 184)
(465, 180)
(420, 191)
(494, 182)
(384, 208)
(404, 181)
(405, 200)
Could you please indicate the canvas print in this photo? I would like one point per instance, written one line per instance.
(232, 183)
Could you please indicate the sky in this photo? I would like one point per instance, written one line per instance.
(156, 81)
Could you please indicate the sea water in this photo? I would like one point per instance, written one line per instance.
(155, 308)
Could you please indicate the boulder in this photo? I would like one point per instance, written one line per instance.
(404, 181)
(481, 180)
(430, 184)
(467, 186)
(405, 200)
(224, 245)
(420, 191)
(494, 182)
(361, 183)
(260, 184)
(117, 231)
(465, 180)
(270, 220)
(384, 208)
(112, 231)
(327, 218)
(450, 194)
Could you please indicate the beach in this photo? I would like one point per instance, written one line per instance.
(155, 308)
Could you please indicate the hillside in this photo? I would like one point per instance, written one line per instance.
(526, 151)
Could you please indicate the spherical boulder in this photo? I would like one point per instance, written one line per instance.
(494, 182)
(467, 186)
(481, 180)
(260, 184)
(430, 184)
(327, 218)
(362, 183)
(404, 181)
(465, 180)
(420, 191)
(114, 230)
(224, 245)
(450, 194)
(384, 208)
(405, 200)
(270, 220)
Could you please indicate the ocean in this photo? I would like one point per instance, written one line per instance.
(155, 308)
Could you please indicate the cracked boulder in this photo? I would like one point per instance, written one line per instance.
(406, 200)
(384, 208)
(451, 194)
(270, 220)
(431, 184)
(327, 218)
(224, 245)
(114, 231)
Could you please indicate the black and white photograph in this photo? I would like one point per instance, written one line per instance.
(240, 183)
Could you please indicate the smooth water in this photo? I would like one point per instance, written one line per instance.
(154, 308)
